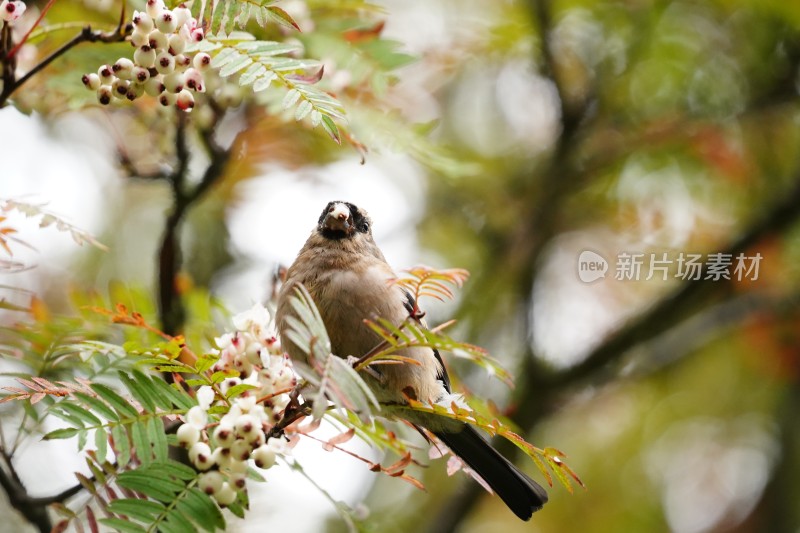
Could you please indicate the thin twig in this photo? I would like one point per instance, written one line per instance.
(24, 39)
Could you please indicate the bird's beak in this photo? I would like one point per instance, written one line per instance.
(338, 219)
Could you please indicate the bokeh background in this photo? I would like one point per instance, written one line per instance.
(523, 134)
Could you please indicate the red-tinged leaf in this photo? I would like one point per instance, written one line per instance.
(60, 527)
(30, 384)
(396, 474)
(283, 17)
(342, 437)
(91, 520)
(559, 472)
(312, 426)
(43, 382)
(543, 469)
(71, 386)
(364, 34)
(454, 464)
(360, 147)
(554, 452)
(414, 481)
(112, 494)
(573, 475)
(400, 464)
(482, 482)
(15, 390)
(309, 79)
(85, 382)
(36, 398)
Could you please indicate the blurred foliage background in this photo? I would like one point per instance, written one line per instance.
(522, 134)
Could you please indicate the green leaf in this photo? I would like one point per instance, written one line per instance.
(158, 438)
(230, 15)
(98, 406)
(331, 128)
(141, 443)
(235, 66)
(174, 367)
(101, 443)
(302, 110)
(176, 523)
(177, 470)
(142, 510)
(205, 361)
(261, 17)
(122, 447)
(218, 14)
(178, 398)
(268, 48)
(97, 471)
(64, 433)
(150, 485)
(290, 99)
(68, 418)
(78, 412)
(124, 526)
(244, 14)
(139, 392)
(352, 389)
(262, 83)
(253, 72)
(282, 17)
(114, 400)
(202, 509)
(236, 390)
(225, 56)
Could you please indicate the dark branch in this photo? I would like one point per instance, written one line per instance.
(676, 307)
(34, 510)
(86, 35)
(171, 310)
(541, 389)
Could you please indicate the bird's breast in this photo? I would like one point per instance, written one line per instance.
(346, 298)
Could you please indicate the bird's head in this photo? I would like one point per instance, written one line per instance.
(343, 220)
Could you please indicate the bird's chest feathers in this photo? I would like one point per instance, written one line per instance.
(347, 297)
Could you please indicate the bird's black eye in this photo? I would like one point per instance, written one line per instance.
(363, 227)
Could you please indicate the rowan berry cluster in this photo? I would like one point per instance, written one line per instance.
(224, 449)
(11, 11)
(161, 66)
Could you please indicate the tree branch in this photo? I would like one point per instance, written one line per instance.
(541, 390)
(34, 510)
(172, 313)
(10, 84)
(677, 306)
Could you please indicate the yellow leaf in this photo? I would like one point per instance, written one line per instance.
(39, 310)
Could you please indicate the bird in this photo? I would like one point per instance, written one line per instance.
(349, 280)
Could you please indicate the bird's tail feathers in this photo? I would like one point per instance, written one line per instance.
(519, 492)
